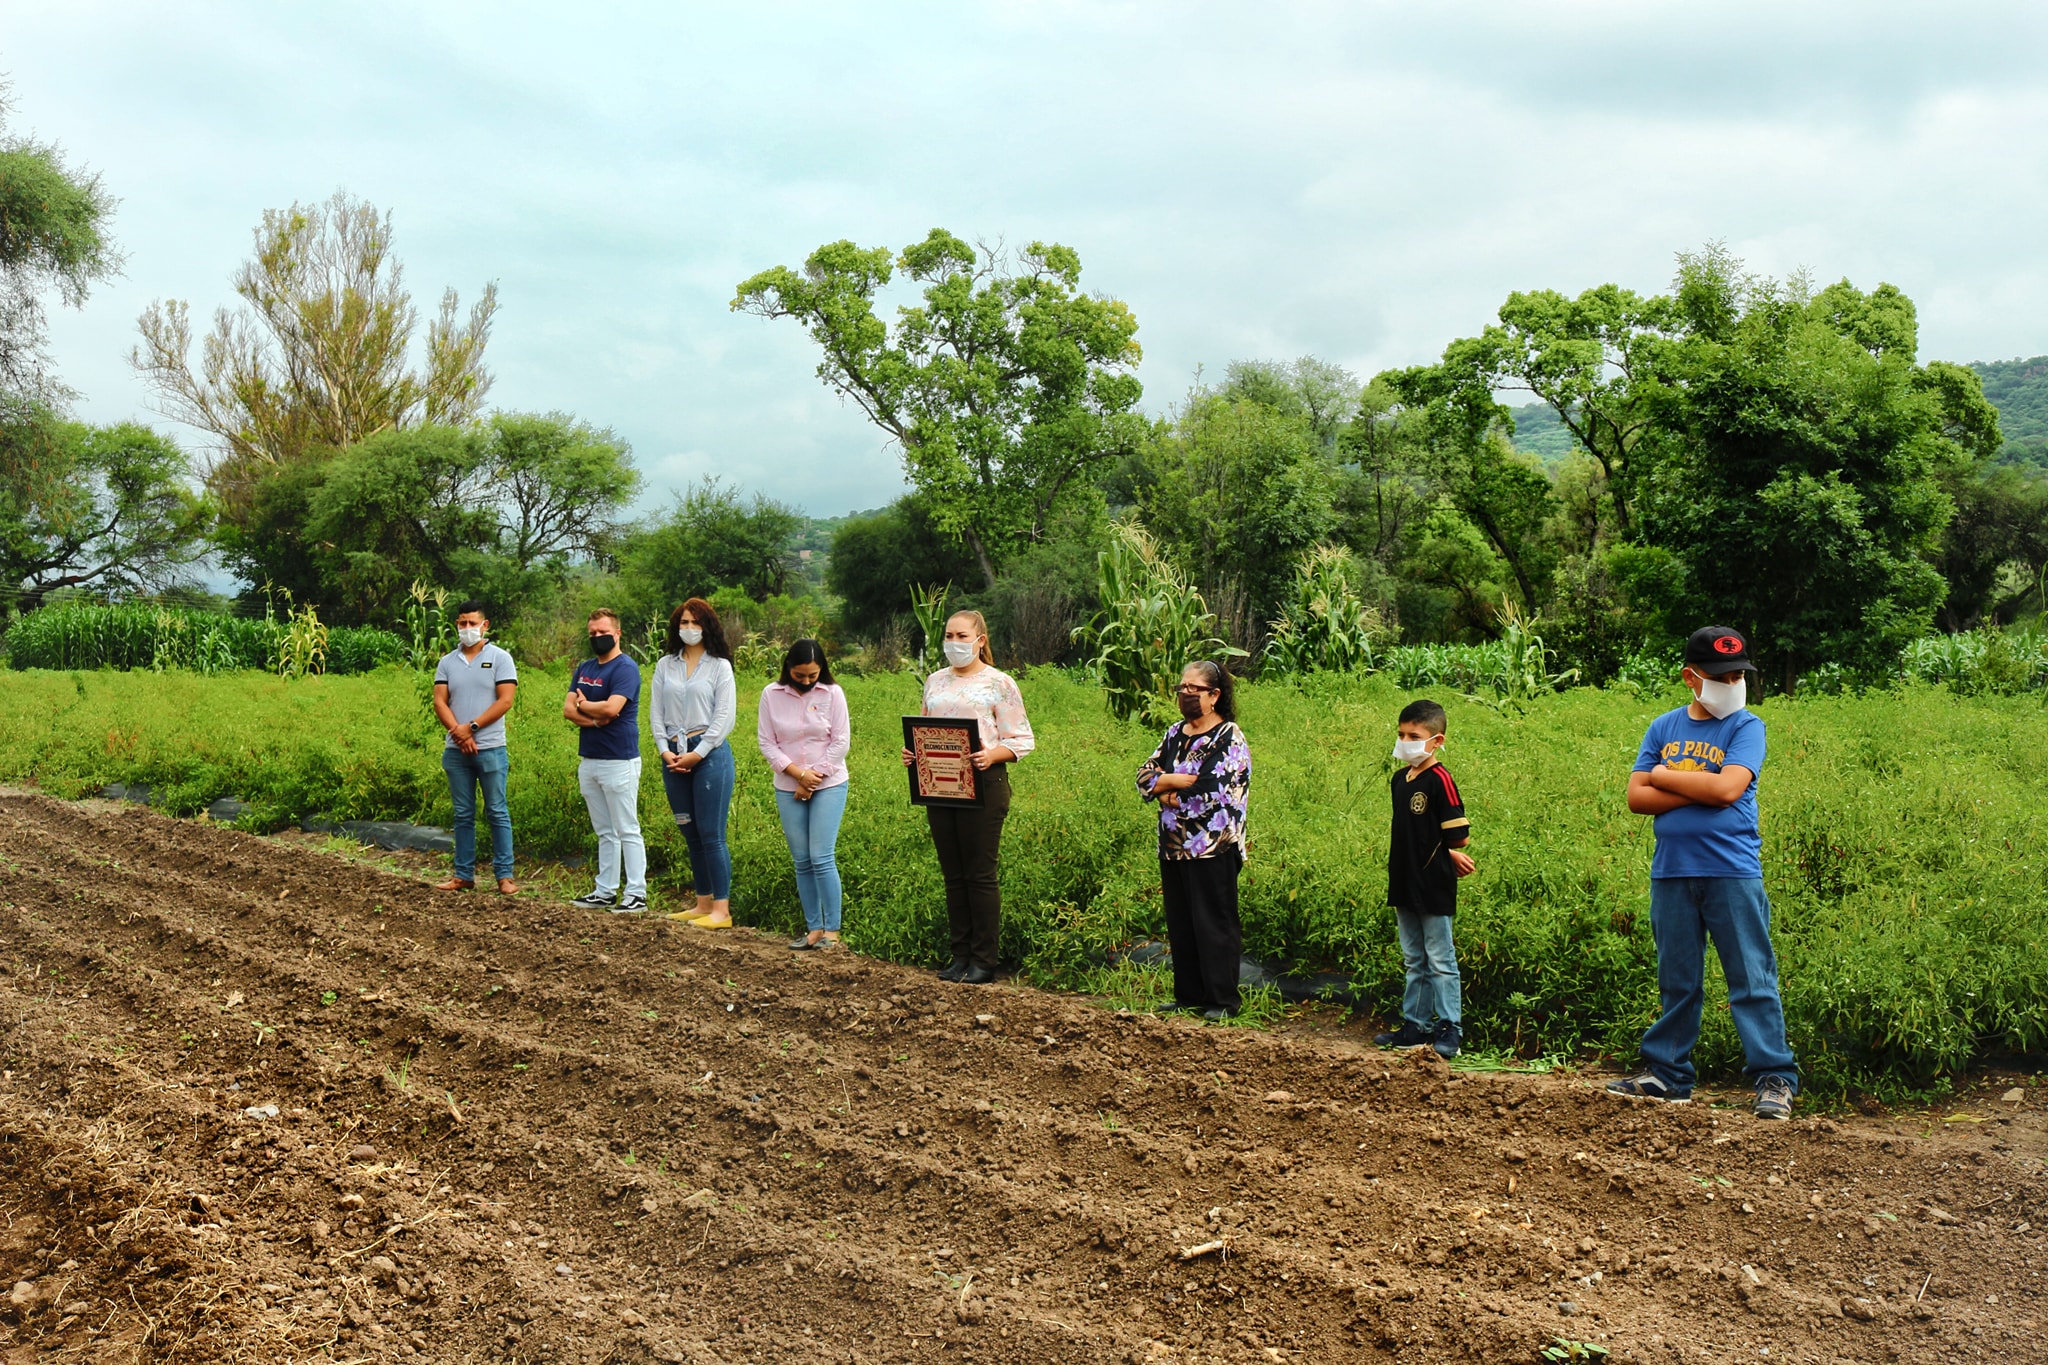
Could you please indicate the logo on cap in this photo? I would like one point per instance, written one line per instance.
(1728, 644)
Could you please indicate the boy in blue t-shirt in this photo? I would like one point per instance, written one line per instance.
(1697, 774)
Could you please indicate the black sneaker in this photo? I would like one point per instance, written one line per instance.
(595, 900)
(1410, 1034)
(631, 905)
(1216, 1014)
(1446, 1039)
(1647, 1087)
(1174, 1007)
(1773, 1098)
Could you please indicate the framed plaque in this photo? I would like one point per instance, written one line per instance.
(941, 773)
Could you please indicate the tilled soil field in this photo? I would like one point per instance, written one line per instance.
(262, 1104)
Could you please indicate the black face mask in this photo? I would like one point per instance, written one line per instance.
(603, 644)
(1191, 707)
(803, 687)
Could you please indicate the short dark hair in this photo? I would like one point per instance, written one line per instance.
(472, 605)
(1425, 713)
(707, 621)
(1217, 676)
(806, 652)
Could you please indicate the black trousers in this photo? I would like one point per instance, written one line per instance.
(1202, 928)
(969, 841)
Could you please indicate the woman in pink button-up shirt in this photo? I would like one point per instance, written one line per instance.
(804, 735)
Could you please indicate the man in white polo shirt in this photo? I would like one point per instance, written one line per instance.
(473, 689)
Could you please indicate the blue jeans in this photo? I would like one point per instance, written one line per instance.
(702, 799)
(1431, 963)
(812, 828)
(486, 768)
(1683, 912)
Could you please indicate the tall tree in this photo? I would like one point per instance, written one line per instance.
(320, 356)
(52, 238)
(1597, 360)
(1809, 453)
(1240, 490)
(1008, 389)
(1324, 393)
(878, 559)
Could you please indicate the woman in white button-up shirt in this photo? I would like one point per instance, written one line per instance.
(692, 707)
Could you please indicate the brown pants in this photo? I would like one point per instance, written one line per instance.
(969, 841)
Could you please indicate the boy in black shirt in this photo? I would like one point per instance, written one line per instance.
(1425, 858)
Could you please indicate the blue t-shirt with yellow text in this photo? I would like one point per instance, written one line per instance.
(1707, 841)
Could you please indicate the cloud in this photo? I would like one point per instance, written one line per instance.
(1362, 182)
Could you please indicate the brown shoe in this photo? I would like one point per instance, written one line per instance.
(455, 884)
(507, 887)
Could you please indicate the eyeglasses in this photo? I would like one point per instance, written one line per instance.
(1191, 690)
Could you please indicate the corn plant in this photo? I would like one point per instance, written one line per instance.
(301, 642)
(1324, 625)
(928, 606)
(426, 622)
(1152, 624)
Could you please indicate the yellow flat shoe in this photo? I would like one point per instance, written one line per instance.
(706, 922)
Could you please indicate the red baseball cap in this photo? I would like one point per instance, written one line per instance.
(1718, 649)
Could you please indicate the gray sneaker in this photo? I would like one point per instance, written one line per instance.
(1773, 1098)
(1647, 1087)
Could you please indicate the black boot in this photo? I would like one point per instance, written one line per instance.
(952, 972)
(976, 975)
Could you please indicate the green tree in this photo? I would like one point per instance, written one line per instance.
(1239, 490)
(1324, 394)
(1597, 361)
(320, 357)
(877, 560)
(1008, 389)
(52, 239)
(1809, 452)
(711, 538)
(501, 509)
(1995, 549)
(102, 508)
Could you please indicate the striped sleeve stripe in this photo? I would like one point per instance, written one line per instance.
(1450, 787)
(1459, 823)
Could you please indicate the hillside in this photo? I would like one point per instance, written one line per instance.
(2019, 390)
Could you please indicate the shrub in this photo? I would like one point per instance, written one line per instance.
(1324, 624)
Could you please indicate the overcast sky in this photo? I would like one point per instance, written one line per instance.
(1362, 182)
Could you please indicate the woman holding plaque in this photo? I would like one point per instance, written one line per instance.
(693, 711)
(803, 730)
(1201, 776)
(969, 837)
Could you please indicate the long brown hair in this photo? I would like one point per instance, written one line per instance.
(986, 655)
(714, 632)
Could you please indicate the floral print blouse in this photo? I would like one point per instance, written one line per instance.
(988, 695)
(1210, 815)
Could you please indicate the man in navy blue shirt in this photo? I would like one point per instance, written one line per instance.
(604, 703)
(1697, 774)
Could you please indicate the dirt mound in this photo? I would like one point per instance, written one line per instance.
(260, 1104)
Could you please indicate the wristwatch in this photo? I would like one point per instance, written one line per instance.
(472, 729)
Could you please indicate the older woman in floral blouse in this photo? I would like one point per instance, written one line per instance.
(1201, 775)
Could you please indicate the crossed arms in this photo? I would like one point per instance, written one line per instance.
(1665, 789)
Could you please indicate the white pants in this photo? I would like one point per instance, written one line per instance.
(611, 788)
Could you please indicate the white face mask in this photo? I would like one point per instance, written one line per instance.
(960, 653)
(1723, 700)
(471, 636)
(1411, 751)
(691, 635)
